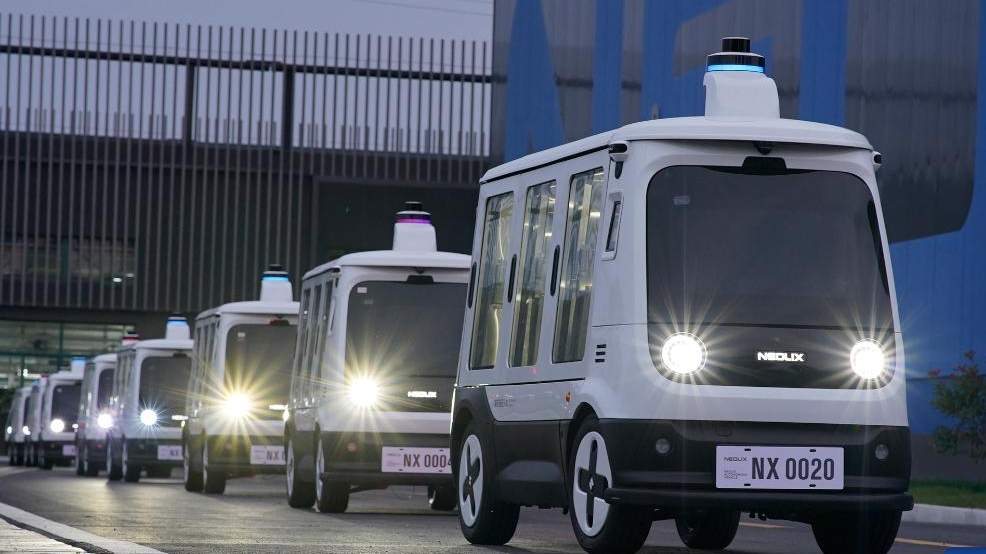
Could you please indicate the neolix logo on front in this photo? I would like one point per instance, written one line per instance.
(780, 356)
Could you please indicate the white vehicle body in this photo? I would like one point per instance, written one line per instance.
(648, 264)
(56, 417)
(371, 382)
(94, 414)
(240, 385)
(16, 425)
(147, 405)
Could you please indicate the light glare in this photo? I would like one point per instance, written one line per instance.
(867, 359)
(105, 421)
(237, 405)
(148, 417)
(683, 353)
(364, 392)
(56, 425)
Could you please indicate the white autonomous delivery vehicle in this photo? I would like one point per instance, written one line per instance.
(241, 378)
(54, 441)
(94, 412)
(686, 318)
(375, 364)
(32, 416)
(147, 405)
(15, 432)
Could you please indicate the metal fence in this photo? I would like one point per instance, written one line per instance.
(159, 167)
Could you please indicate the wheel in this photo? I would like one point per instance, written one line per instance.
(159, 472)
(855, 533)
(191, 478)
(80, 456)
(213, 482)
(113, 471)
(301, 492)
(131, 471)
(712, 530)
(17, 455)
(482, 518)
(90, 469)
(44, 462)
(600, 526)
(11, 454)
(330, 498)
(441, 498)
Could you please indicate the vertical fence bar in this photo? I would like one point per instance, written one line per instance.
(49, 240)
(156, 177)
(201, 239)
(105, 258)
(213, 147)
(173, 275)
(60, 263)
(130, 293)
(142, 210)
(117, 140)
(220, 293)
(24, 206)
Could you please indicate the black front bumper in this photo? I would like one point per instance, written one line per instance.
(684, 478)
(53, 451)
(231, 454)
(95, 451)
(362, 466)
(145, 452)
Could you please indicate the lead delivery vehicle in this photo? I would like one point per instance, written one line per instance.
(686, 319)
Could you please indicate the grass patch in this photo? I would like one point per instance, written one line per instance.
(946, 492)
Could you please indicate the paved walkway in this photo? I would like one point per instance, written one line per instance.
(21, 541)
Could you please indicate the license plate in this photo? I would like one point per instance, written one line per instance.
(779, 467)
(267, 455)
(68, 450)
(169, 452)
(397, 459)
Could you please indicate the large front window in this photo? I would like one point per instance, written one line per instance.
(399, 329)
(163, 387)
(104, 389)
(258, 363)
(65, 403)
(751, 261)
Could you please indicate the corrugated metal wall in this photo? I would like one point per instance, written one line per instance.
(161, 167)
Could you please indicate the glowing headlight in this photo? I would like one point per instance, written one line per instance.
(56, 425)
(26, 430)
(683, 353)
(105, 421)
(867, 359)
(148, 417)
(364, 392)
(10, 430)
(237, 405)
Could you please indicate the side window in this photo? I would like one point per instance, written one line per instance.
(585, 200)
(539, 211)
(311, 333)
(299, 349)
(320, 333)
(493, 258)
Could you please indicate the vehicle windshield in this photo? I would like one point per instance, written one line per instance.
(404, 329)
(27, 410)
(104, 389)
(731, 246)
(65, 403)
(163, 386)
(258, 362)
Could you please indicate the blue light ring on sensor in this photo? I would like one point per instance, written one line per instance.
(735, 67)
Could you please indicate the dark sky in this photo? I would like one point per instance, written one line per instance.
(456, 19)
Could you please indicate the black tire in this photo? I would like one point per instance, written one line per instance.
(90, 469)
(300, 491)
(191, 477)
(442, 499)
(113, 470)
(80, 456)
(867, 533)
(17, 455)
(713, 530)
(619, 529)
(214, 480)
(330, 498)
(11, 454)
(483, 520)
(44, 462)
(131, 471)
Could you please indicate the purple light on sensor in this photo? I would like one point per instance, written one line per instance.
(413, 220)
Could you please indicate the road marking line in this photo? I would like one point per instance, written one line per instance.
(762, 525)
(71, 534)
(919, 542)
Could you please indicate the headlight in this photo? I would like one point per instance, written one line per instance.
(56, 425)
(26, 430)
(105, 421)
(683, 353)
(237, 405)
(364, 392)
(10, 430)
(148, 417)
(867, 359)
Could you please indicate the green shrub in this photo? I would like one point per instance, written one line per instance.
(961, 396)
